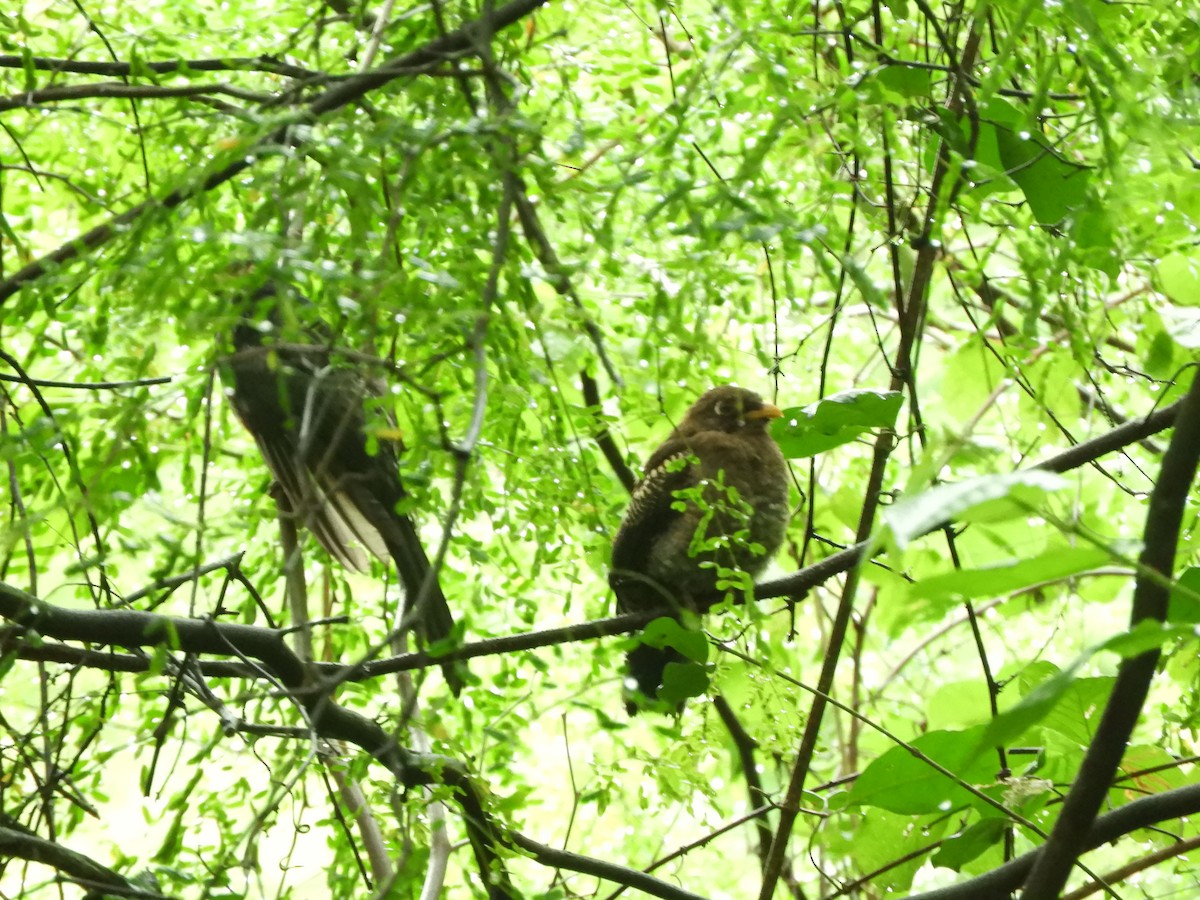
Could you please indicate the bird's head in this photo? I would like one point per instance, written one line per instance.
(729, 409)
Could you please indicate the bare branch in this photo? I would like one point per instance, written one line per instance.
(267, 64)
(124, 91)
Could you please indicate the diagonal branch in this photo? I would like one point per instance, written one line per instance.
(565, 859)
(600, 433)
(129, 628)
(118, 90)
(911, 308)
(19, 844)
(999, 883)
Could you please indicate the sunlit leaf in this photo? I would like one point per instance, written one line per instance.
(959, 850)
(991, 498)
(1012, 575)
(834, 421)
(902, 782)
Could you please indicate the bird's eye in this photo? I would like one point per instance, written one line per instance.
(726, 409)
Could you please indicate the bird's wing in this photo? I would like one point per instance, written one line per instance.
(275, 401)
(650, 514)
(365, 487)
(330, 515)
(331, 449)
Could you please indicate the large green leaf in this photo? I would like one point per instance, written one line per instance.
(967, 845)
(1184, 603)
(1010, 575)
(990, 498)
(902, 782)
(836, 420)
(1052, 186)
(1035, 706)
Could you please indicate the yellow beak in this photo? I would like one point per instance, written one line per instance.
(768, 411)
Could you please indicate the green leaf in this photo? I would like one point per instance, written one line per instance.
(29, 70)
(1093, 238)
(1011, 575)
(1179, 278)
(959, 850)
(1039, 702)
(682, 681)
(903, 82)
(1183, 325)
(1077, 711)
(990, 498)
(1009, 150)
(666, 632)
(836, 420)
(1051, 185)
(1143, 637)
(1183, 607)
(901, 782)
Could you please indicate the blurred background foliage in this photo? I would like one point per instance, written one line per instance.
(705, 193)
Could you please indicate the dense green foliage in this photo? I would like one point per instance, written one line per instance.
(988, 210)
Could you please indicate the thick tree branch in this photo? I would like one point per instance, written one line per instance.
(117, 90)
(135, 629)
(1131, 432)
(82, 870)
(999, 883)
(746, 747)
(129, 628)
(790, 585)
(600, 433)
(565, 859)
(1133, 867)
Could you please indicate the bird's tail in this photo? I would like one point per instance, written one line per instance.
(662, 641)
(645, 666)
(434, 621)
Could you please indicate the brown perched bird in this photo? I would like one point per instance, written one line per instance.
(732, 513)
(309, 420)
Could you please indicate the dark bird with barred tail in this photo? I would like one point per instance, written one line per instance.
(714, 495)
(309, 419)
